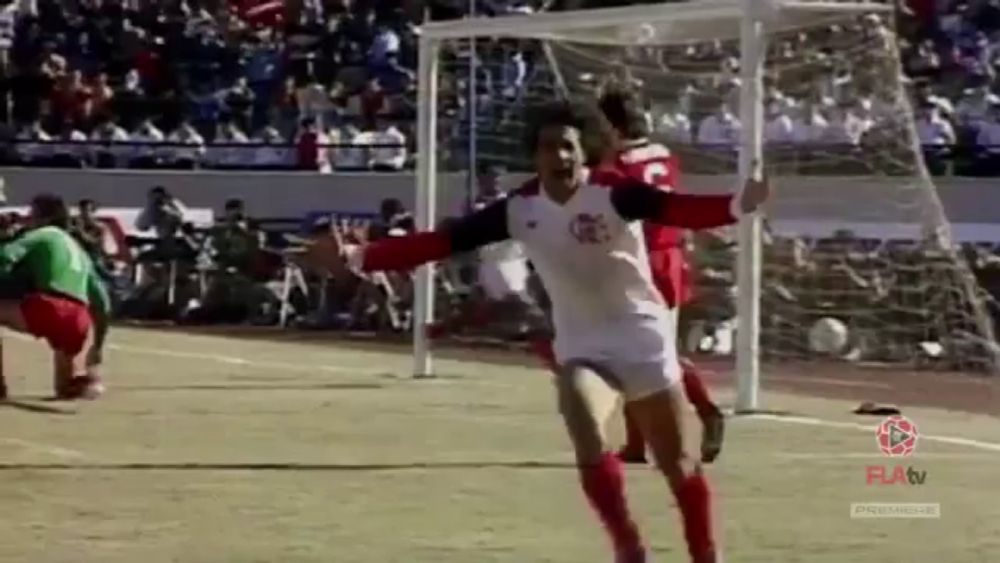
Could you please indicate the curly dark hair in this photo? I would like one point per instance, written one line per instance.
(595, 131)
(50, 210)
(623, 108)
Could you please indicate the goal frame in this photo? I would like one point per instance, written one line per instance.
(753, 16)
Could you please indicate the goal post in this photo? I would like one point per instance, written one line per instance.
(426, 204)
(583, 43)
(751, 155)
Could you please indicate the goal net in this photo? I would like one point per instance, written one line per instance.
(857, 262)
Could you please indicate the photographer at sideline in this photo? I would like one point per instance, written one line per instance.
(236, 291)
(164, 213)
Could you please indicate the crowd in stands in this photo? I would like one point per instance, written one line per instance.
(214, 83)
(329, 84)
(831, 92)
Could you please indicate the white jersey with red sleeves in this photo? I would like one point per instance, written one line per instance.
(655, 165)
(594, 265)
(591, 255)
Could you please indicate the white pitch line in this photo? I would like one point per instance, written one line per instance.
(44, 448)
(232, 360)
(829, 381)
(810, 421)
(219, 358)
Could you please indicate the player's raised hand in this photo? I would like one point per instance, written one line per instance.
(756, 191)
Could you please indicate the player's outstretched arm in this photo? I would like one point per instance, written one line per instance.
(478, 229)
(641, 202)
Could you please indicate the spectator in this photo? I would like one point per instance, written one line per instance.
(33, 144)
(72, 99)
(163, 213)
(353, 152)
(226, 152)
(313, 101)
(385, 44)
(239, 101)
(187, 147)
(514, 74)
(108, 148)
(72, 151)
(721, 128)
(934, 131)
(846, 128)
(148, 152)
(102, 95)
(234, 240)
(988, 143)
(373, 101)
(232, 295)
(974, 105)
(130, 99)
(936, 136)
(810, 127)
(674, 125)
(310, 145)
(272, 152)
(778, 129)
(390, 152)
(393, 219)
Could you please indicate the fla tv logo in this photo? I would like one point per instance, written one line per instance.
(896, 438)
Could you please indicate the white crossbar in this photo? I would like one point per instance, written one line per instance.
(547, 23)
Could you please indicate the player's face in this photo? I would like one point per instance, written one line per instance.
(559, 160)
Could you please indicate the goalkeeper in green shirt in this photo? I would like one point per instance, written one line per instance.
(59, 297)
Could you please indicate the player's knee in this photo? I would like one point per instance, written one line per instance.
(678, 469)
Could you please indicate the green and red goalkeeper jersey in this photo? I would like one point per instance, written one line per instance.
(53, 262)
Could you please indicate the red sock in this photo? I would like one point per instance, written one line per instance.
(694, 388)
(634, 442)
(543, 349)
(604, 485)
(694, 498)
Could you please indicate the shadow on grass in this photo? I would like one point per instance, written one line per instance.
(33, 405)
(238, 387)
(293, 467)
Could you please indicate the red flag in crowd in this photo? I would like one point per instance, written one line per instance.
(263, 13)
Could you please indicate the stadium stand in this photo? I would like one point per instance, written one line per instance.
(329, 85)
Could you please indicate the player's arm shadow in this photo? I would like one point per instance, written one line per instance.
(291, 466)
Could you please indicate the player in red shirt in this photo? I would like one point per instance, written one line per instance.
(636, 157)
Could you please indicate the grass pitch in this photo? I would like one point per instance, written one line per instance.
(209, 449)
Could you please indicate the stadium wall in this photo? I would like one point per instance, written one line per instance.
(809, 205)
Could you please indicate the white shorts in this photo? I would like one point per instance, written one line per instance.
(637, 357)
(634, 380)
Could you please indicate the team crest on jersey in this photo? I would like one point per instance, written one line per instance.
(589, 228)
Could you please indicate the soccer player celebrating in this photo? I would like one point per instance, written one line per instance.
(636, 157)
(60, 298)
(582, 230)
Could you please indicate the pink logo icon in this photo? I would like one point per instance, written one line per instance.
(897, 436)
